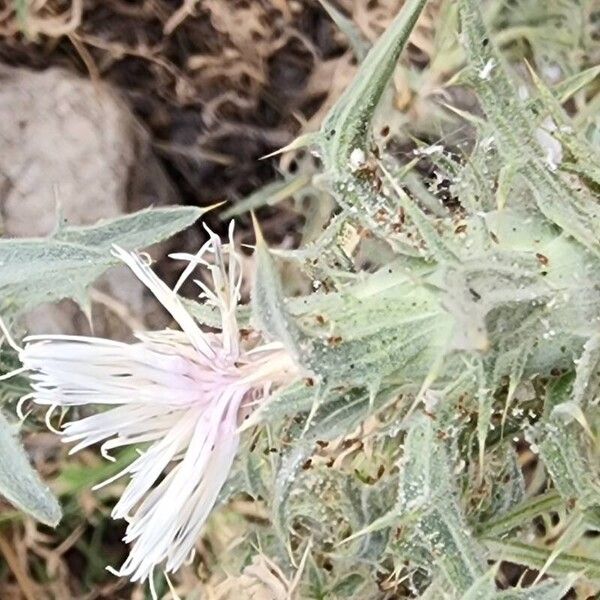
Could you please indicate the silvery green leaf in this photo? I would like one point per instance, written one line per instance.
(389, 325)
(332, 419)
(346, 132)
(425, 467)
(426, 487)
(483, 588)
(574, 211)
(133, 231)
(269, 312)
(567, 455)
(372, 502)
(458, 556)
(360, 46)
(566, 88)
(535, 557)
(269, 195)
(285, 477)
(587, 380)
(20, 484)
(33, 271)
(570, 140)
(520, 515)
(548, 590)
(36, 271)
(347, 124)
(568, 461)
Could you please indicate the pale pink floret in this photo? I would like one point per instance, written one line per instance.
(178, 392)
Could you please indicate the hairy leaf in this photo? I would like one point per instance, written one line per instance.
(20, 484)
(33, 271)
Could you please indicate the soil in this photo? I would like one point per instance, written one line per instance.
(217, 89)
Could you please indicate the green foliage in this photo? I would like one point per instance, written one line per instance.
(33, 271)
(448, 333)
(19, 483)
(479, 331)
(346, 128)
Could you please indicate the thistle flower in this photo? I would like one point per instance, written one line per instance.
(181, 393)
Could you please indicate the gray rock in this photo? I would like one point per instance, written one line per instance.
(71, 143)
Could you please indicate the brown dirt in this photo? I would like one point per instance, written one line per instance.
(217, 88)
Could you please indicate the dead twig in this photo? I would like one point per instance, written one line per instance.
(26, 585)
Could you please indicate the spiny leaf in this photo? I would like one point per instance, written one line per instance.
(346, 132)
(358, 43)
(563, 90)
(133, 231)
(33, 271)
(426, 484)
(386, 326)
(268, 303)
(291, 464)
(521, 514)
(269, 195)
(20, 484)
(566, 455)
(346, 126)
(534, 557)
(582, 154)
(587, 373)
(576, 213)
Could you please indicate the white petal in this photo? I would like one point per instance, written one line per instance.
(148, 467)
(167, 523)
(193, 261)
(168, 299)
(128, 421)
(73, 373)
(198, 510)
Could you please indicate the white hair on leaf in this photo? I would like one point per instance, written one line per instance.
(177, 393)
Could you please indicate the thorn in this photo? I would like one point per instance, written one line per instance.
(300, 142)
(260, 240)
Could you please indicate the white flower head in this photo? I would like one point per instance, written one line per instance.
(179, 394)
